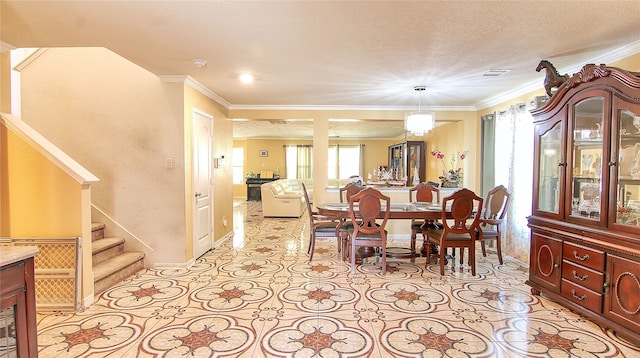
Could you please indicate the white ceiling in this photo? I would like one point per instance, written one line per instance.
(339, 54)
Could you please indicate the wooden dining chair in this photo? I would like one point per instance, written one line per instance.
(421, 193)
(349, 190)
(345, 193)
(365, 209)
(321, 226)
(460, 220)
(491, 218)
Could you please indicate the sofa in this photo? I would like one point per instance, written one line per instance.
(284, 198)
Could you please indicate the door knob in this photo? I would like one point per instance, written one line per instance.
(198, 194)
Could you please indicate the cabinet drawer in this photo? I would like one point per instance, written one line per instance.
(582, 296)
(583, 276)
(12, 278)
(584, 256)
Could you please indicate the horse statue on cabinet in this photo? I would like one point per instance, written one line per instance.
(552, 79)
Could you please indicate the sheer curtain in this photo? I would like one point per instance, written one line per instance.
(299, 161)
(345, 161)
(488, 152)
(513, 145)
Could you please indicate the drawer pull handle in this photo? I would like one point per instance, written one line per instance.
(585, 257)
(581, 278)
(579, 298)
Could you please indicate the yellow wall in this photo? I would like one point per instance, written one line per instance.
(441, 139)
(460, 132)
(5, 82)
(222, 145)
(375, 154)
(4, 182)
(42, 200)
(5, 107)
(631, 63)
(255, 163)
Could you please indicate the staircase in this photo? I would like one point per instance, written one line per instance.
(111, 264)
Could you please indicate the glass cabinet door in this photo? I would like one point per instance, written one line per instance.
(628, 173)
(550, 166)
(586, 157)
(416, 163)
(8, 338)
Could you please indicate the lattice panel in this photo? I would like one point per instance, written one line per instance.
(55, 291)
(56, 271)
(55, 256)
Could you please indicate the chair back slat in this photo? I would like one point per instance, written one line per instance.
(496, 203)
(463, 205)
(348, 191)
(425, 193)
(371, 204)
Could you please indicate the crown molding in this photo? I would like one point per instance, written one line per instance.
(6, 47)
(612, 56)
(191, 82)
(347, 108)
(30, 58)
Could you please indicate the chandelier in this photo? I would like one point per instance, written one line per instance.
(419, 122)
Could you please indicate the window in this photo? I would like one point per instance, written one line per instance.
(344, 161)
(299, 161)
(237, 165)
(508, 142)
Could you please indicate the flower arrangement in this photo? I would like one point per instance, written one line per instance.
(452, 176)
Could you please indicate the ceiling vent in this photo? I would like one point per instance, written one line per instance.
(278, 122)
(495, 73)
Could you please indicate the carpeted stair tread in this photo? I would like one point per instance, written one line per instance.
(105, 244)
(115, 264)
(97, 226)
(97, 231)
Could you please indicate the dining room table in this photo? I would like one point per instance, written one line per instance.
(398, 211)
(415, 210)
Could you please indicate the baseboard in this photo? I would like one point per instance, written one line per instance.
(170, 265)
(87, 301)
(222, 240)
(188, 264)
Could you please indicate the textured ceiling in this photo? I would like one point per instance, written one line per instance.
(339, 54)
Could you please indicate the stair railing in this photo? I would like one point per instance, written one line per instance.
(113, 221)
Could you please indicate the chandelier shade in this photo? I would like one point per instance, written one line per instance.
(419, 123)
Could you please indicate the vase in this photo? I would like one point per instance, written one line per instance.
(450, 184)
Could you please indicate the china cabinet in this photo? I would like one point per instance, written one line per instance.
(407, 159)
(585, 222)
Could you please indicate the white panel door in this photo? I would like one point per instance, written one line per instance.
(203, 210)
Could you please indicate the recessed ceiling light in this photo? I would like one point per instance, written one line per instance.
(246, 78)
(199, 62)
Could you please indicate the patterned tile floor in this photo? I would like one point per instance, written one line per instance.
(258, 296)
